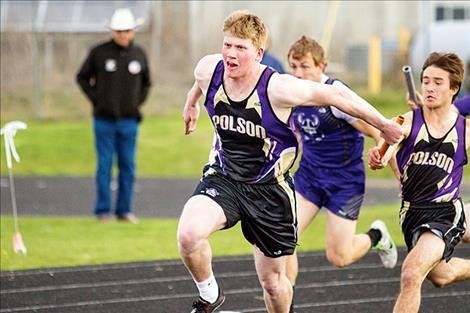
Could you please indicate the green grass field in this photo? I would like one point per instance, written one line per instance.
(52, 148)
(71, 241)
(57, 147)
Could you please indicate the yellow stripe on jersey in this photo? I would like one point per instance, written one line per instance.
(267, 148)
(446, 197)
(290, 193)
(220, 96)
(403, 211)
(422, 135)
(452, 138)
(286, 160)
(254, 103)
(458, 213)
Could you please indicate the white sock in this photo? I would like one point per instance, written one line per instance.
(208, 289)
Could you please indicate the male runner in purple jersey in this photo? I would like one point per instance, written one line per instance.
(247, 178)
(463, 107)
(331, 171)
(431, 157)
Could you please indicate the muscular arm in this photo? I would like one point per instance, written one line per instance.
(191, 109)
(367, 130)
(202, 75)
(286, 91)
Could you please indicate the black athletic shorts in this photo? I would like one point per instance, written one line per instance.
(445, 220)
(266, 211)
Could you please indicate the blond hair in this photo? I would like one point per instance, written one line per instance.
(305, 46)
(245, 25)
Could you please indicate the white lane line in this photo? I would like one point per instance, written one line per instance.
(175, 279)
(120, 300)
(229, 292)
(364, 300)
(157, 264)
(165, 297)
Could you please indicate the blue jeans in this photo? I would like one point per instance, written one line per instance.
(120, 137)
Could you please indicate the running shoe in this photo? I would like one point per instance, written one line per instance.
(386, 248)
(202, 306)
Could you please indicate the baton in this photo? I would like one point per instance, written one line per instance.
(384, 147)
(410, 85)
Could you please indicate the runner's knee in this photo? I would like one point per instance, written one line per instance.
(188, 239)
(338, 258)
(271, 283)
(411, 277)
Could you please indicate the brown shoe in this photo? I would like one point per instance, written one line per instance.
(105, 218)
(129, 218)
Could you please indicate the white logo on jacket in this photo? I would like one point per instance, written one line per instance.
(134, 67)
(110, 65)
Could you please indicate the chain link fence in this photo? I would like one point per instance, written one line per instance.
(38, 65)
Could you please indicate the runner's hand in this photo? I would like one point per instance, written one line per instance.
(374, 159)
(391, 132)
(190, 116)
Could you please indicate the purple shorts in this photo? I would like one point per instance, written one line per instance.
(341, 191)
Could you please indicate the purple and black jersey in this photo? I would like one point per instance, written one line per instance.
(328, 141)
(431, 168)
(251, 144)
(331, 171)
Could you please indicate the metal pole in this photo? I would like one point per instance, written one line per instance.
(36, 79)
(36, 19)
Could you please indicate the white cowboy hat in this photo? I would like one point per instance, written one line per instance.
(123, 19)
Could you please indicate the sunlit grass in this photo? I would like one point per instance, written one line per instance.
(71, 241)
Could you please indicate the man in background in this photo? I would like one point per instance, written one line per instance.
(116, 79)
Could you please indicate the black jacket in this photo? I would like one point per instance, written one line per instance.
(115, 79)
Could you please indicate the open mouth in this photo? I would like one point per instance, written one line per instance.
(231, 65)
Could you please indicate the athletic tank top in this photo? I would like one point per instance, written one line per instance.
(251, 144)
(327, 141)
(431, 168)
